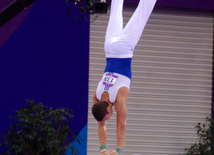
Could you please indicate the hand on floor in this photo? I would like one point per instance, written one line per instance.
(114, 153)
(104, 152)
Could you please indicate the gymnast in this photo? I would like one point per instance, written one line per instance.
(113, 89)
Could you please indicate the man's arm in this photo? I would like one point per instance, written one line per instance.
(101, 126)
(102, 132)
(120, 107)
(121, 127)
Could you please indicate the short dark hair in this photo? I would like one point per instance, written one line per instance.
(99, 110)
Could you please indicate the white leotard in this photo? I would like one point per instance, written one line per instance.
(111, 83)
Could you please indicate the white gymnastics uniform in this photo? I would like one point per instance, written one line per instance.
(119, 46)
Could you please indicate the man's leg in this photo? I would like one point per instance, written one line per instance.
(115, 25)
(134, 28)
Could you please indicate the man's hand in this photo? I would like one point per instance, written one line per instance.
(104, 152)
(114, 153)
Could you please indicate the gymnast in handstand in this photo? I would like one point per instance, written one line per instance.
(113, 89)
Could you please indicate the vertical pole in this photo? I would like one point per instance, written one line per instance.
(212, 104)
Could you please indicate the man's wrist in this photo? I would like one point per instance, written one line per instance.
(119, 150)
(102, 147)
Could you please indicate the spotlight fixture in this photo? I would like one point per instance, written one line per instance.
(98, 6)
(85, 6)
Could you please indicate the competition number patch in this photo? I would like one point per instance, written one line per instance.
(109, 79)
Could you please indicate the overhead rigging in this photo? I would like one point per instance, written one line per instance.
(77, 9)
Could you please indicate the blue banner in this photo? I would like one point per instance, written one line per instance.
(45, 56)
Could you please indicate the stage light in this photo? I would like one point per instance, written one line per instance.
(98, 6)
(84, 6)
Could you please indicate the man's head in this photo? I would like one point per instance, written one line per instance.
(101, 110)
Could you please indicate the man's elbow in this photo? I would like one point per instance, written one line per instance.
(121, 119)
(121, 124)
